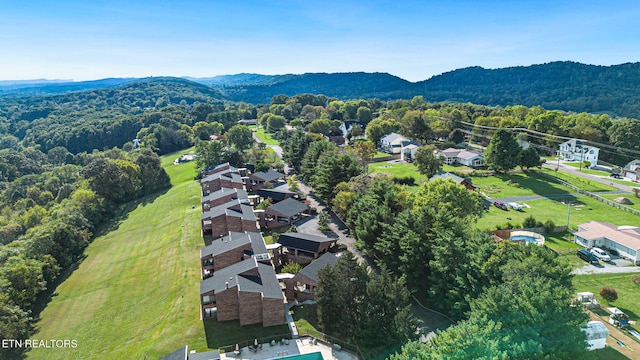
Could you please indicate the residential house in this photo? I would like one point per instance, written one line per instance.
(623, 239)
(283, 213)
(577, 150)
(248, 122)
(217, 181)
(408, 150)
(276, 195)
(225, 167)
(347, 125)
(301, 248)
(257, 180)
(457, 179)
(223, 196)
(231, 216)
(392, 143)
(632, 170)
(247, 291)
(231, 249)
(465, 157)
(303, 285)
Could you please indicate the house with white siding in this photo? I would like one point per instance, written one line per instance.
(577, 150)
(623, 239)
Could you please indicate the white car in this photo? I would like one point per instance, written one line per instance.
(600, 254)
(515, 206)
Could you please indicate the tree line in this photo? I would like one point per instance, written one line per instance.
(50, 207)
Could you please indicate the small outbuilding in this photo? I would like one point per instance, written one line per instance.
(597, 334)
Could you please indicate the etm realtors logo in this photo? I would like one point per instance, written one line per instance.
(33, 344)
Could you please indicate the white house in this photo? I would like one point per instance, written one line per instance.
(597, 334)
(623, 239)
(408, 151)
(469, 158)
(392, 143)
(632, 170)
(576, 150)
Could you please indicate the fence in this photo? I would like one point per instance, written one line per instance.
(261, 340)
(332, 340)
(594, 196)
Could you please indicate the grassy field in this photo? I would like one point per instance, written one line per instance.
(265, 137)
(135, 295)
(633, 198)
(518, 184)
(585, 210)
(586, 184)
(397, 169)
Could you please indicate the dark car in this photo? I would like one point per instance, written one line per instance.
(587, 256)
(615, 176)
(500, 205)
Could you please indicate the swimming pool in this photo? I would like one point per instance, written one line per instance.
(528, 237)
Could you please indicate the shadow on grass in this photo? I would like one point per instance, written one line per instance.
(608, 353)
(225, 334)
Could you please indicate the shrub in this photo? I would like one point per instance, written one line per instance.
(636, 280)
(529, 222)
(292, 268)
(404, 180)
(549, 225)
(608, 293)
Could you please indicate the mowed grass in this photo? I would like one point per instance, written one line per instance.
(633, 198)
(398, 170)
(585, 184)
(518, 184)
(135, 295)
(546, 209)
(265, 137)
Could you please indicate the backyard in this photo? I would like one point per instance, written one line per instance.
(263, 136)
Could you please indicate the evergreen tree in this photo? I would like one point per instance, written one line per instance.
(503, 152)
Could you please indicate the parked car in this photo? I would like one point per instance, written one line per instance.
(500, 205)
(600, 254)
(515, 206)
(587, 256)
(615, 176)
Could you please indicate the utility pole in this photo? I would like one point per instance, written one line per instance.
(568, 213)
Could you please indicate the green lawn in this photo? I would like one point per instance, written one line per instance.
(380, 154)
(265, 137)
(397, 169)
(547, 209)
(518, 184)
(457, 168)
(586, 184)
(135, 295)
(634, 200)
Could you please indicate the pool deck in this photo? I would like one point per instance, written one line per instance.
(300, 346)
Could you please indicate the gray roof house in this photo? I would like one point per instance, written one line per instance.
(303, 284)
(257, 180)
(222, 196)
(231, 249)
(247, 291)
(283, 213)
(230, 216)
(302, 248)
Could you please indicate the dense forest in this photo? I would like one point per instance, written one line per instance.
(68, 163)
(567, 86)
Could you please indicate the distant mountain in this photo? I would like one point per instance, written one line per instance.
(568, 86)
(48, 87)
(340, 85)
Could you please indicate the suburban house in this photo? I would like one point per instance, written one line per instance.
(408, 150)
(457, 179)
(247, 291)
(230, 216)
(302, 286)
(222, 196)
(301, 248)
(232, 249)
(576, 150)
(248, 122)
(276, 195)
(392, 143)
(632, 170)
(257, 180)
(347, 125)
(217, 181)
(623, 239)
(282, 213)
(465, 157)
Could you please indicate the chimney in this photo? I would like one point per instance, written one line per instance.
(226, 285)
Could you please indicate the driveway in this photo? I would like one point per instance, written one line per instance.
(617, 265)
(600, 179)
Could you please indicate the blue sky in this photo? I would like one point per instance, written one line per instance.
(415, 40)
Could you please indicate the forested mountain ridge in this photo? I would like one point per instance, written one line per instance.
(99, 119)
(566, 85)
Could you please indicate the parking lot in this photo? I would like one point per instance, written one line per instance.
(616, 265)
